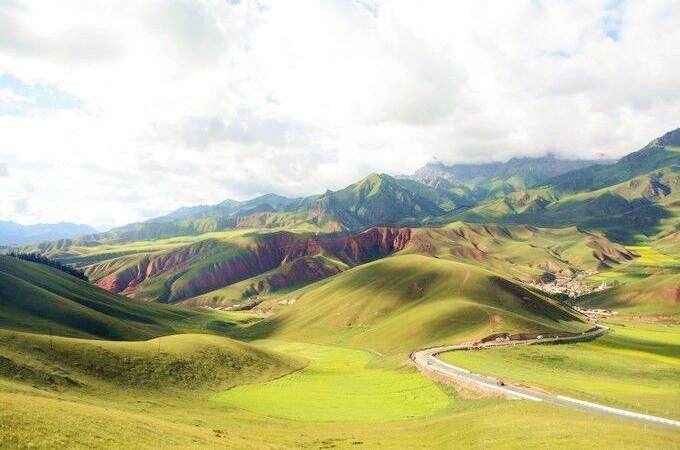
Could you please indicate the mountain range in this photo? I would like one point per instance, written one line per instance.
(12, 233)
(524, 171)
(253, 313)
(623, 199)
(559, 222)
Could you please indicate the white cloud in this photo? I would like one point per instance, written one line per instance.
(190, 102)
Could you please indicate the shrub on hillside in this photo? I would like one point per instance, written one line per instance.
(40, 259)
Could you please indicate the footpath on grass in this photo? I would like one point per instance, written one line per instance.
(426, 360)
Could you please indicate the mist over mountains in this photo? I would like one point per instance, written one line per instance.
(536, 191)
(12, 233)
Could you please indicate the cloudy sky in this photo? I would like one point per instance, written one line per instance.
(112, 112)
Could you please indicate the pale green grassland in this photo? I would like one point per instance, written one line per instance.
(45, 420)
(337, 385)
(636, 366)
(107, 413)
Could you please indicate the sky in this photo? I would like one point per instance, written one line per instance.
(114, 112)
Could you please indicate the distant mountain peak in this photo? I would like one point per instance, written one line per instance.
(531, 170)
(12, 233)
(672, 138)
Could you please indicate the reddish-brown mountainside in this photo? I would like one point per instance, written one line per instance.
(207, 265)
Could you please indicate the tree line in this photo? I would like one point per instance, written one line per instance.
(40, 259)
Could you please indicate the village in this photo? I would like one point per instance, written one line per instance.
(572, 287)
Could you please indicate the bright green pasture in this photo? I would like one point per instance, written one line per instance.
(107, 412)
(650, 260)
(636, 366)
(649, 256)
(339, 385)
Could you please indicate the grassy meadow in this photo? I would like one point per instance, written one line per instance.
(111, 413)
(635, 366)
(350, 384)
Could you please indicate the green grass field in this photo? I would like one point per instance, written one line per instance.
(45, 420)
(274, 407)
(182, 361)
(636, 366)
(338, 385)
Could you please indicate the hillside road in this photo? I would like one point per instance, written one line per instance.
(428, 363)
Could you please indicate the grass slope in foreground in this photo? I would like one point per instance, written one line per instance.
(405, 302)
(636, 366)
(110, 412)
(170, 363)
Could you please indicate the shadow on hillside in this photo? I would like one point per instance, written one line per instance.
(261, 329)
(621, 220)
(532, 302)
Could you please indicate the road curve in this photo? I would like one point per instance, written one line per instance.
(427, 362)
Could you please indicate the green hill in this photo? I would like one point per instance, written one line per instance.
(654, 295)
(222, 269)
(522, 251)
(40, 299)
(177, 362)
(640, 207)
(379, 199)
(404, 302)
(658, 154)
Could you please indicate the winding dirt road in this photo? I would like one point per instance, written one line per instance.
(427, 362)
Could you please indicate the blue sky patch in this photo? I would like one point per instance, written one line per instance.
(611, 24)
(24, 98)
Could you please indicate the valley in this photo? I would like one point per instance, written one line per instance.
(289, 322)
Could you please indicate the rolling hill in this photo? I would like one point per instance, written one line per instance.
(631, 200)
(404, 302)
(169, 363)
(202, 266)
(273, 244)
(39, 299)
(656, 295)
(223, 269)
